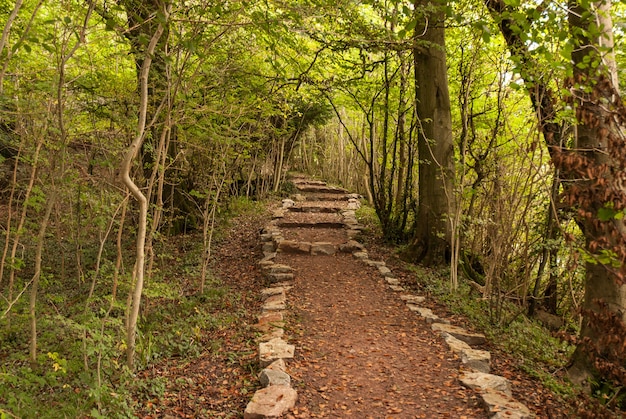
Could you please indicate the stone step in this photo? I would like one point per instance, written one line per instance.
(320, 189)
(319, 224)
(316, 209)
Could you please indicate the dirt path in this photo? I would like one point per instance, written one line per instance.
(363, 353)
(360, 351)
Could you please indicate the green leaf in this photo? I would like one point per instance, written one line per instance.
(606, 214)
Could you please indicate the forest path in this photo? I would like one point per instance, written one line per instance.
(359, 350)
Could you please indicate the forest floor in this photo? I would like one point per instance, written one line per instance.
(360, 352)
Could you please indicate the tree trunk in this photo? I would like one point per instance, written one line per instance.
(131, 154)
(599, 142)
(592, 172)
(432, 236)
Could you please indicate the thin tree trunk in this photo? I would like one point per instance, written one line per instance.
(41, 237)
(131, 154)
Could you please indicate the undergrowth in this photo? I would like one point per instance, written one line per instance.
(80, 369)
(540, 354)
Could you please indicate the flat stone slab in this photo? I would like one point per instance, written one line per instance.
(375, 263)
(278, 365)
(280, 269)
(279, 277)
(499, 405)
(273, 291)
(392, 281)
(290, 246)
(426, 313)
(413, 299)
(270, 320)
(275, 302)
(273, 350)
(457, 346)
(360, 255)
(280, 213)
(323, 248)
(460, 333)
(268, 247)
(271, 402)
(486, 382)
(272, 333)
(384, 271)
(272, 377)
(396, 288)
(351, 246)
(477, 360)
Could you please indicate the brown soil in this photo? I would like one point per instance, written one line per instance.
(310, 234)
(362, 353)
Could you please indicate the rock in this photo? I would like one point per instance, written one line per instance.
(456, 346)
(271, 402)
(384, 271)
(460, 333)
(392, 281)
(273, 350)
(279, 213)
(267, 237)
(280, 269)
(499, 405)
(275, 302)
(288, 203)
(351, 246)
(278, 365)
(353, 233)
(268, 256)
(272, 333)
(486, 382)
(268, 321)
(477, 360)
(360, 255)
(269, 377)
(323, 248)
(375, 263)
(426, 313)
(265, 263)
(396, 288)
(413, 299)
(290, 246)
(269, 247)
(273, 291)
(279, 277)
(354, 205)
(287, 285)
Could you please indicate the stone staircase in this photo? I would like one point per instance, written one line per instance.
(334, 208)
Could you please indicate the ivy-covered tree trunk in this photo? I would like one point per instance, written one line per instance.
(599, 194)
(592, 171)
(432, 235)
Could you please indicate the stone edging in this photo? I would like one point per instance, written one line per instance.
(277, 396)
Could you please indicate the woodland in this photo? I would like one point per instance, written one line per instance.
(486, 137)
